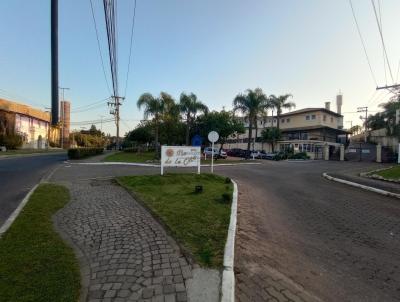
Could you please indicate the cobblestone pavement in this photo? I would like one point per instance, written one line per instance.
(303, 238)
(129, 255)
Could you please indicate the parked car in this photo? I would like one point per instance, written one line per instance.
(208, 151)
(235, 152)
(270, 156)
(257, 154)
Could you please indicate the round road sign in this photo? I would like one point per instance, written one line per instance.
(213, 136)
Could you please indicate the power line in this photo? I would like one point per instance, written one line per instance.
(130, 47)
(383, 53)
(362, 42)
(89, 106)
(382, 40)
(98, 46)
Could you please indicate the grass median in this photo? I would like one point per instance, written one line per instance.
(199, 221)
(35, 264)
(143, 157)
(392, 173)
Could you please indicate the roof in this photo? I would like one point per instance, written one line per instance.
(305, 110)
(14, 107)
(313, 128)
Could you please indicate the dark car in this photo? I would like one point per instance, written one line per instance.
(235, 152)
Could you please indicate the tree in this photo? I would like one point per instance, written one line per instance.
(389, 114)
(142, 134)
(376, 121)
(355, 129)
(271, 135)
(279, 103)
(224, 122)
(189, 106)
(153, 106)
(251, 104)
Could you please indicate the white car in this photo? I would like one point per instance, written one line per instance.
(217, 154)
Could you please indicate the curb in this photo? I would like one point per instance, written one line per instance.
(6, 225)
(357, 185)
(228, 275)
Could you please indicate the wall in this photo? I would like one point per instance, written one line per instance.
(380, 137)
(33, 131)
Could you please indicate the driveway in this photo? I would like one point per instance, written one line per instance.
(303, 238)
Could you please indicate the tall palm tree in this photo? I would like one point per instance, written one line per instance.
(153, 106)
(189, 106)
(279, 103)
(251, 104)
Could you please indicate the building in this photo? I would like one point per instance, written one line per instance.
(305, 130)
(65, 121)
(33, 125)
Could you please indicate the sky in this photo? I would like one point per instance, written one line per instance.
(215, 49)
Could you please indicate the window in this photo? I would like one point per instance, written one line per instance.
(288, 120)
(331, 119)
(313, 117)
(324, 118)
(307, 117)
(282, 120)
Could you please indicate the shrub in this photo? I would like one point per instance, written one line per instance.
(226, 197)
(300, 155)
(11, 141)
(227, 180)
(78, 153)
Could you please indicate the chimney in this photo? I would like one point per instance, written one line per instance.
(328, 105)
(339, 102)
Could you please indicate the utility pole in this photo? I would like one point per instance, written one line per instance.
(54, 62)
(63, 90)
(115, 111)
(364, 109)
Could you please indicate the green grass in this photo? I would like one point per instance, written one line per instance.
(198, 221)
(35, 264)
(392, 173)
(131, 157)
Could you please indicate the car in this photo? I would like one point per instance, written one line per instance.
(236, 152)
(256, 154)
(270, 156)
(208, 151)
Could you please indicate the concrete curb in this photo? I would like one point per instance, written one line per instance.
(357, 185)
(6, 225)
(228, 275)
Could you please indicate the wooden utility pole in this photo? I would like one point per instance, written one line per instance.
(115, 111)
(364, 109)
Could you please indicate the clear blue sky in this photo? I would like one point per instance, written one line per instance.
(215, 49)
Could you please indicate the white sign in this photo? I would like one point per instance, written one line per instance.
(213, 136)
(180, 156)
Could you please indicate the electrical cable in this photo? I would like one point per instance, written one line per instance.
(98, 46)
(382, 40)
(362, 42)
(130, 47)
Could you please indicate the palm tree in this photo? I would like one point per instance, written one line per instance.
(251, 104)
(279, 103)
(154, 107)
(189, 106)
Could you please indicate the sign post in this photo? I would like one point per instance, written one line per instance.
(213, 136)
(398, 155)
(180, 156)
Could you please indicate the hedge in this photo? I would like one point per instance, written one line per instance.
(78, 153)
(11, 141)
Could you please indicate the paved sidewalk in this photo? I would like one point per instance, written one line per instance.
(129, 255)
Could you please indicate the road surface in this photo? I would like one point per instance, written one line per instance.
(18, 175)
(303, 238)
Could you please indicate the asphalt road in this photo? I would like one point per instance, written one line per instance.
(18, 175)
(303, 238)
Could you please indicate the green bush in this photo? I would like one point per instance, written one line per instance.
(300, 155)
(11, 141)
(78, 153)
